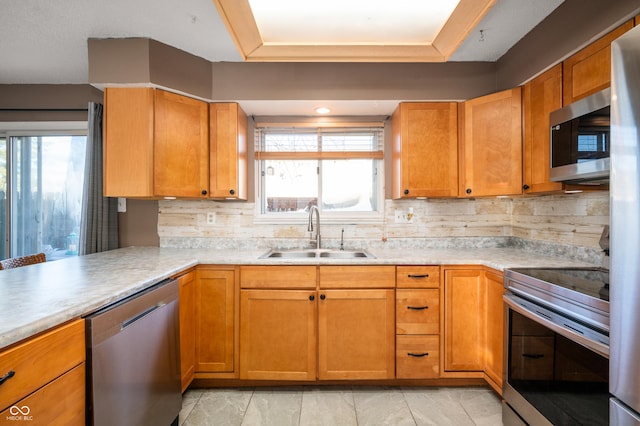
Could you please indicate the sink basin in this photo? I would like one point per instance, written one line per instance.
(312, 253)
(344, 254)
(289, 254)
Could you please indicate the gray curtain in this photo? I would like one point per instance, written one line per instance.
(99, 222)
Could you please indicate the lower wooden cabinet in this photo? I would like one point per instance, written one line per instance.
(417, 356)
(217, 322)
(48, 379)
(278, 334)
(463, 319)
(187, 286)
(356, 334)
(494, 326)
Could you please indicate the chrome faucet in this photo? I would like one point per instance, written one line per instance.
(318, 240)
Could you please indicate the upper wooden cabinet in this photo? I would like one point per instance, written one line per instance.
(156, 144)
(425, 152)
(541, 96)
(491, 145)
(589, 70)
(228, 163)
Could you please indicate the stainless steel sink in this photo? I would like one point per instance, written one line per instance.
(313, 253)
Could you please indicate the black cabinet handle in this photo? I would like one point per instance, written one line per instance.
(232, 191)
(322, 297)
(468, 191)
(533, 356)
(420, 355)
(203, 192)
(406, 192)
(7, 376)
(417, 308)
(312, 298)
(525, 187)
(418, 276)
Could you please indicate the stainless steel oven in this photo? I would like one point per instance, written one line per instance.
(557, 346)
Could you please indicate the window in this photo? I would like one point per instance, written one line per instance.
(338, 169)
(41, 179)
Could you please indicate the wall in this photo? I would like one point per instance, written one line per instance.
(553, 222)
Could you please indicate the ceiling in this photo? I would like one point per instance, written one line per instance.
(45, 41)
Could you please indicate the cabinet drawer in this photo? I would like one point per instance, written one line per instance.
(275, 277)
(61, 402)
(417, 357)
(418, 276)
(418, 311)
(39, 360)
(357, 277)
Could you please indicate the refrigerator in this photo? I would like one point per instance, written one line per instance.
(624, 361)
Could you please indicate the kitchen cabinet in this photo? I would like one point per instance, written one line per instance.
(589, 70)
(217, 322)
(490, 145)
(417, 322)
(156, 144)
(48, 377)
(425, 150)
(278, 322)
(293, 330)
(464, 313)
(494, 326)
(187, 286)
(278, 334)
(228, 151)
(540, 96)
(356, 334)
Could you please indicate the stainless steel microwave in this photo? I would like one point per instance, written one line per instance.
(580, 140)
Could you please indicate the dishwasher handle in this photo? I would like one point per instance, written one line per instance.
(126, 323)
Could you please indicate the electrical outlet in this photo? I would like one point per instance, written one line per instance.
(122, 205)
(211, 218)
(400, 216)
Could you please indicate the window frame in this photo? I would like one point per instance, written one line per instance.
(329, 217)
(35, 128)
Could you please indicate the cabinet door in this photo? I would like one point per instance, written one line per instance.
(463, 319)
(59, 403)
(491, 145)
(228, 144)
(494, 347)
(278, 335)
(425, 151)
(541, 96)
(356, 331)
(589, 70)
(128, 142)
(216, 315)
(181, 146)
(187, 284)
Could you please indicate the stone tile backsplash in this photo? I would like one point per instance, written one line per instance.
(568, 225)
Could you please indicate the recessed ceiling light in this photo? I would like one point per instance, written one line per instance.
(323, 110)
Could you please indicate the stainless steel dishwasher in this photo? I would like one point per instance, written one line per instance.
(133, 357)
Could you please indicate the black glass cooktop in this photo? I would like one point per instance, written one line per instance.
(593, 282)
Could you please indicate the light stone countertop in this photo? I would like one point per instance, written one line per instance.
(37, 297)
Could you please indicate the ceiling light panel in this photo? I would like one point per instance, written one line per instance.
(350, 22)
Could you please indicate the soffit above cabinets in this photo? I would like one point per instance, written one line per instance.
(356, 30)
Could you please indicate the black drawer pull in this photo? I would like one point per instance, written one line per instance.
(418, 275)
(420, 355)
(533, 356)
(7, 376)
(417, 308)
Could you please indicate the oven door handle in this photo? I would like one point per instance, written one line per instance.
(562, 329)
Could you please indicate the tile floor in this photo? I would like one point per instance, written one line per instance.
(341, 406)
